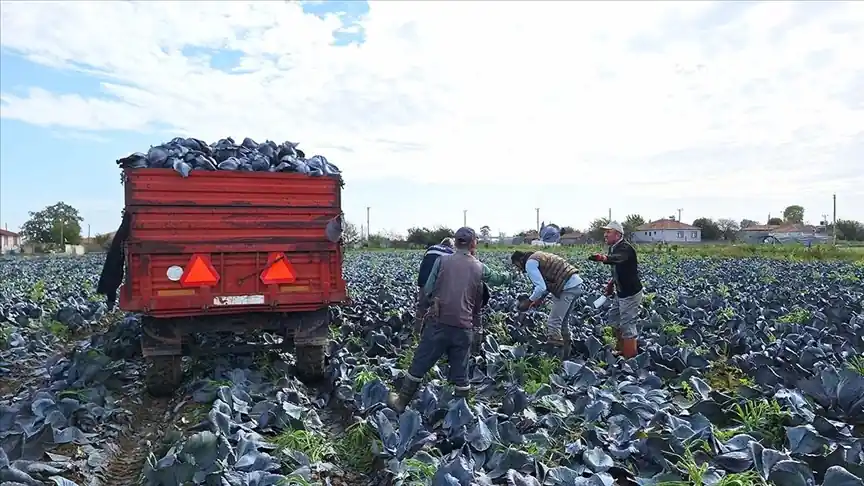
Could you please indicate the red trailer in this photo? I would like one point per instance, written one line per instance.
(230, 251)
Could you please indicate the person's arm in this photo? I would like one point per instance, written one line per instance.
(620, 254)
(433, 276)
(532, 268)
(425, 268)
(493, 278)
(478, 309)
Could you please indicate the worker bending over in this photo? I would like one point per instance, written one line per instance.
(625, 286)
(554, 275)
(455, 293)
(433, 253)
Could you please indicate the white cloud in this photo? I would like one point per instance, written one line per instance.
(557, 89)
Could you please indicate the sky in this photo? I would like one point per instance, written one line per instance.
(722, 109)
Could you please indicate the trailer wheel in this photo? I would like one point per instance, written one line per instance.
(310, 362)
(164, 375)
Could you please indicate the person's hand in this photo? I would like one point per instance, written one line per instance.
(524, 305)
(598, 257)
(610, 287)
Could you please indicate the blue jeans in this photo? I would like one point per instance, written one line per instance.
(438, 340)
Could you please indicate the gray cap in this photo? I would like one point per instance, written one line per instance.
(614, 225)
(465, 235)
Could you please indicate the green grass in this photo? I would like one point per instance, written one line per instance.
(314, 445)
(765, 417)
(355, 447)
(797, 316)
(725, 377)
(856, 364)
(532, 371)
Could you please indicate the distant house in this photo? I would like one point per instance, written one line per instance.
(667, 231)
(9, 241)
(575, 238)
(785, 233)
(527, 239)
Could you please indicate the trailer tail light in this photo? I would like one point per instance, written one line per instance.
(199, 273)
(279, 270)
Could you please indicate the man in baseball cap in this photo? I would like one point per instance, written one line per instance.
(625, 287)
(455, 291)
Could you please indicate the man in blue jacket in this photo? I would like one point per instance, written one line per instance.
(433, 253)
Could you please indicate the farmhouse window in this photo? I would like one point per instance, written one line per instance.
(680, 234)
(693, 235)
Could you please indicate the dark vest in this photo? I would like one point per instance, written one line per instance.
(459, 289)
(555, 270)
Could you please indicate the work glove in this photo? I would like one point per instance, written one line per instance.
(598, 257)
(610, 288)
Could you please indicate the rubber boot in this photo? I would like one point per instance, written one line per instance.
(462, 392)
(399, 401)
(627, 347)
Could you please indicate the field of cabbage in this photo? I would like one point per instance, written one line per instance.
(750, 373)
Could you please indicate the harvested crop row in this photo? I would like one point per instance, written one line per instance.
(750, 373)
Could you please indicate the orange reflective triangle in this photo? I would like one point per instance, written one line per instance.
(279, 270)
(199, 272)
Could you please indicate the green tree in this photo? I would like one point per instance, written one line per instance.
(710, 230)
(775, 222)
(418, 236)
(728, 228)
(350, 235)
(850, 230)
(567, 230)
(595, 231)
(632, 222)
(794, 214)
(746, 223)
(59, 224)
(485, 232)
(426, 237)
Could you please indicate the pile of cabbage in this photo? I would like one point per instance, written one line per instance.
(187, 154)
(750, 372)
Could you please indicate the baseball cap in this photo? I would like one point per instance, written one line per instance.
(465, 235)
(614, 225)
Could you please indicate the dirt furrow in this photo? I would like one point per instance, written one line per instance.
(148, 421)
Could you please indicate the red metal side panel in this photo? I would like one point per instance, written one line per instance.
(236, 218)
(165, 187)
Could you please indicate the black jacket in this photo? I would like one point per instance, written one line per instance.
(433, 253)
(625, 270)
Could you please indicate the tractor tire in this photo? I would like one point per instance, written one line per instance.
(164, 375)
(310, 363)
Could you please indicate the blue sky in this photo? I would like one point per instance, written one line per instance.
(435, 108)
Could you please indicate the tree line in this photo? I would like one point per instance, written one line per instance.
(61, 224)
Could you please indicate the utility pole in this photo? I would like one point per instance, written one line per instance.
(464, 217)
(88, 231)
(368, 228)
(834, 197)
(62, 240)
(610, 214)
(537, 211)
(679, 214)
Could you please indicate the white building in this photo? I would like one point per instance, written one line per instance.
(9, 241)
(667, 231)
